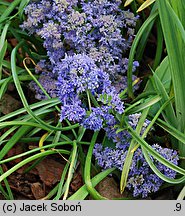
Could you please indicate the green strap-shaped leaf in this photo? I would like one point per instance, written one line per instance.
(174, 35)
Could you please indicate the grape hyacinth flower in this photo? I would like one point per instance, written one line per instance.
(87, 42)
(78, 75)
(47, 79)
(97, 117)
(94, 28)
(47, 82)
(141, 179)
(86, 28)
(133, 120)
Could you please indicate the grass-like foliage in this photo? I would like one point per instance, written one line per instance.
(77, 71)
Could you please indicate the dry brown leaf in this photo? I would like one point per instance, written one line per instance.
(8, 104)
(109, 188)
(37, 190)
(50, 171)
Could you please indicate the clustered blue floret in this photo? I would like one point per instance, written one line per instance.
(46, 79)
(85, 45)
(141, 179)
(78, 75)
(97, 117)
(92, 27)
(86, 42)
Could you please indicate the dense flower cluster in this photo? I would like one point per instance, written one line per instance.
(108, 157)
(92, 27)
(85, 42)
(122, 139)
(78, 75)
(46, 79)
(141, 179)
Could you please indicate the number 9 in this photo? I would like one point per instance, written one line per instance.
(178, 206)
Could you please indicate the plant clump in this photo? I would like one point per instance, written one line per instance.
(87, 44)
(141, 179)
